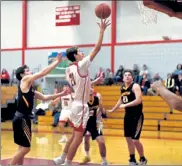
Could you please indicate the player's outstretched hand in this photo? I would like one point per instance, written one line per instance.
(65, 92)
(156, 85)
(100, 80)
(109, 111)
(104, 24)
(59, 57)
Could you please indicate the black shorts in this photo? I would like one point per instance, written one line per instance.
(133, 126)
(22, 131)
(93, 131)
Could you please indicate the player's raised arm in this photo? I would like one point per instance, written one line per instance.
(45, 71)
(103, 25)
(172, 99)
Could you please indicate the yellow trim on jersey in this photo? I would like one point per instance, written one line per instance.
(26, 102)
(125, 93)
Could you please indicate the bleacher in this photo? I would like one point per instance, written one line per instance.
(8, 94)
(158, 115)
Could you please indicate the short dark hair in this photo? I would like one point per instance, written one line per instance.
(128, 71)
(20, 71)
(70, 52)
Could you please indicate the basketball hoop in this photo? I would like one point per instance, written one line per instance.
(149, 16)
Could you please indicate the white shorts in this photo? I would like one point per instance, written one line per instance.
(79, 115)
(64, 116)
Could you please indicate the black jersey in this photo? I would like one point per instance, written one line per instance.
(25, 101)
(93, 106)
(127, 96)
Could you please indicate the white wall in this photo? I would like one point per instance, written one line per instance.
(130, 28)
(35, 58)
(11, 60)
(43, 32)
(162, 58)
(11, 24)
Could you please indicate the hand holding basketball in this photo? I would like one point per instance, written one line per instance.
(104, 24)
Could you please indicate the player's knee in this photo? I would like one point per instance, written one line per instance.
(100, 141)
(136, 141)
(86, 139)
(25, 150)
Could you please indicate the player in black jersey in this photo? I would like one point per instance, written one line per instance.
(94, 129)
(131, 101)
(23, 115)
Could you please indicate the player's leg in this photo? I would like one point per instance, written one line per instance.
(61, 159)
(128, 133)
(102, 148)
(64, 117)
(86, 140)
(22, 137)
(61, 127)
(136, 141)
(79, 117)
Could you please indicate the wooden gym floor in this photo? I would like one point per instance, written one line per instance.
(45, 147)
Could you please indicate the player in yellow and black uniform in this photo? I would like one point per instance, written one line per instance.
(94, 129)
(22, 118)
(131, 101)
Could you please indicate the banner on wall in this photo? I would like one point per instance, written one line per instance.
(60, 69)
(68, 15)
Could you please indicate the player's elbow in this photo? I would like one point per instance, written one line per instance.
(139, 100)
(178, 106)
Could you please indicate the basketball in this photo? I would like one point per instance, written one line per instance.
(103, 11)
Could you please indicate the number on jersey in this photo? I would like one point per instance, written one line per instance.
(72, 79)
(125, 99)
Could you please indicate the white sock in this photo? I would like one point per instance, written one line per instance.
(87, 153)
(104, 159)
(63, 156)
(68, 162)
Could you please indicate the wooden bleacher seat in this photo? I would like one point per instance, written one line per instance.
(155, 110)
(8, 93)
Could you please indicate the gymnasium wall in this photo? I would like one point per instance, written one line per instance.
(43, 36)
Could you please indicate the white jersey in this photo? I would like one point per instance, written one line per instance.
(66, 102)
(79, 78)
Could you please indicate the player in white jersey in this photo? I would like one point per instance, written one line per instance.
(66, 102)
(79, 77)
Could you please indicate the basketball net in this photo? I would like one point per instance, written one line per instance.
(148, 16)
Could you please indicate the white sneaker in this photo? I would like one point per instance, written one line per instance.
(143, 162)
(133, 163)
(104, 163)
(59, 161)
(63, 139)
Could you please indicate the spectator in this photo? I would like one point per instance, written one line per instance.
(100, 73)
(179, 84)
(119, 74)
(136, 73)
(5, 79)
(151, 91)
(170, 83)
(56, 107)
(108, 77)
(178, 69)
(145, 84)
(13, 78)
(40, 110)
(144, 70)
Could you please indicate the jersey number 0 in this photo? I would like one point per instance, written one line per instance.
(72, 79)
(125, 99)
